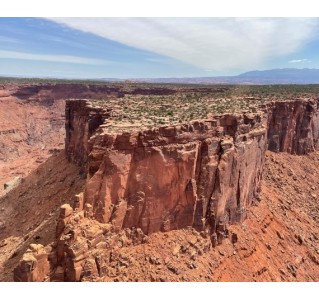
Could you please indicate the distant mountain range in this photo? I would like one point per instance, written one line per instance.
(275, 76)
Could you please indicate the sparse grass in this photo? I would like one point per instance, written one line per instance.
(148, 104)
(190, 102)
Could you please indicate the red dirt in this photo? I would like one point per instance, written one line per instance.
(38, 130)
(29, 212)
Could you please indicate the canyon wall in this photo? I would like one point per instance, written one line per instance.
(202, 174)
(293, 127)
(193, 175)
(81, 122)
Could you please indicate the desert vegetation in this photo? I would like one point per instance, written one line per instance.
(187, 102)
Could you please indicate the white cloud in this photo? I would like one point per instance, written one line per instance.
(297, 61)
(52, 58)
(210, 43)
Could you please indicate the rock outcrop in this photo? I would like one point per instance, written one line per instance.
(81, 122)
(293, 127)
(204, 174)
(83, 249)
(12, 184)
(34, 265)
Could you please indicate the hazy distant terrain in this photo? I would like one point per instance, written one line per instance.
(275, 76)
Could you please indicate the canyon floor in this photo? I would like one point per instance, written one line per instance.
(278, 241)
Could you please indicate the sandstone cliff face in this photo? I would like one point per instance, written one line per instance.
(203, 174)
(293, 127)
(81, 121)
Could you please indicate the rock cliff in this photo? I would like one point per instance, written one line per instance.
(293, 126)
(81, 122)
(203, 174)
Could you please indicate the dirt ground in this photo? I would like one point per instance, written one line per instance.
(29, 212)
(29, 133)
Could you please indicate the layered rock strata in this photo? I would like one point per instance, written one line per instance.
(202, 174)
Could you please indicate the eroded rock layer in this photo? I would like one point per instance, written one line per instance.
(293, 126)
(204, 174)
(201, 174)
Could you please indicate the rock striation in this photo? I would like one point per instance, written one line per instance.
(81, 122)
(293, 126)
(202, 174)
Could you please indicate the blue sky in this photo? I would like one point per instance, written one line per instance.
(154, 47)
